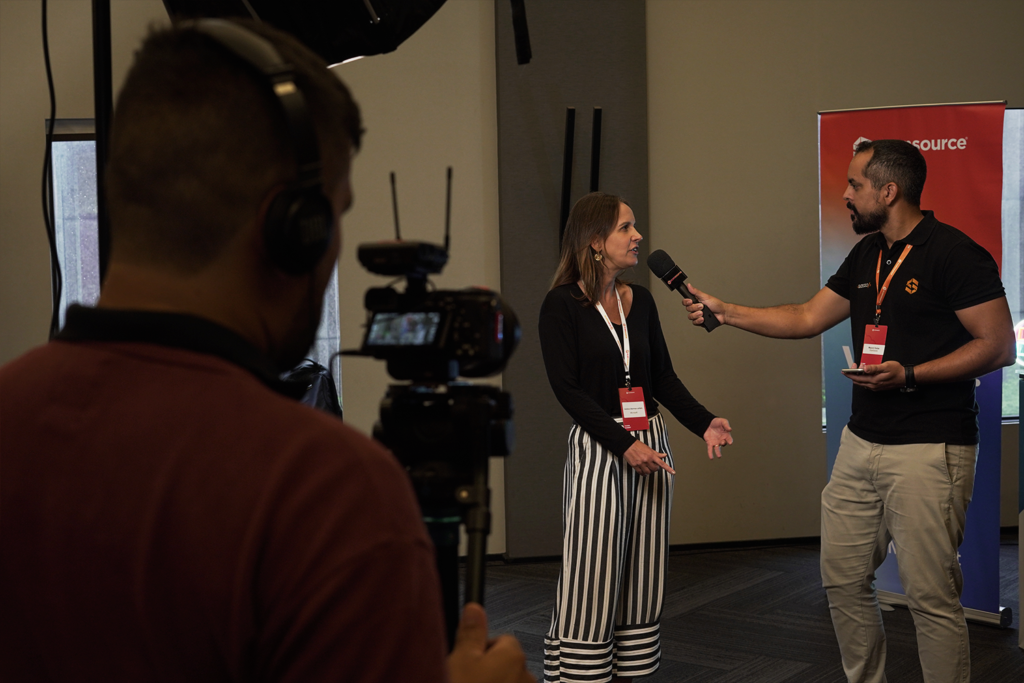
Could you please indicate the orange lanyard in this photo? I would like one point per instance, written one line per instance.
(885, 287)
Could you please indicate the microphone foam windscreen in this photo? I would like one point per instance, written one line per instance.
(660, 263)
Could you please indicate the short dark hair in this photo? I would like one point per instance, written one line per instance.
(199, 140)
(895, 161)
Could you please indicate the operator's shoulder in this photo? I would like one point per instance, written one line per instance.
(271, 424)
(305, 442)
(304, 421)
(39, 370)
(25, 363)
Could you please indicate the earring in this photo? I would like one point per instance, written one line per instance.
(597, 257)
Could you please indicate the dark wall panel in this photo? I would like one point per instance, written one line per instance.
(586, 54)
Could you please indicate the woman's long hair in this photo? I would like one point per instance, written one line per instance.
(594, 215)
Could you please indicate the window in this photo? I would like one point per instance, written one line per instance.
(75, 220)
(1013, 254)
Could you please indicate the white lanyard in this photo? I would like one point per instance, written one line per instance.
(624, 346)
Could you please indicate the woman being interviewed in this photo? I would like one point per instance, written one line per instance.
(609, 367)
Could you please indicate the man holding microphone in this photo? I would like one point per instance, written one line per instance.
(929, 315)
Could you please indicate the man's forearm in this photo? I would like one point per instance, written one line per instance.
(789, 321)
(972, 360)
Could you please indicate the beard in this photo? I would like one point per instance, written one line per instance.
(864, 224)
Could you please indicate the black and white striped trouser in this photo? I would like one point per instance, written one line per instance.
(607, 614)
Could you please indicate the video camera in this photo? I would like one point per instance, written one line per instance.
(432, 336)
(442, 430)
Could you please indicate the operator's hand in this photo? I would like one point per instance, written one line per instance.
(646, 460)
(475, 659)
(708, 304)
(888, 375)
(716, 436)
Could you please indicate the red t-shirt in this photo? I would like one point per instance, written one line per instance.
(166, 516)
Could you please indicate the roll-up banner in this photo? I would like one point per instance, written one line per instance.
(962, 144)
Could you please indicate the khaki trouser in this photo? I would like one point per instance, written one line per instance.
(915, 496)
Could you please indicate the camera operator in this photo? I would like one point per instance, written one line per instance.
(167, 513)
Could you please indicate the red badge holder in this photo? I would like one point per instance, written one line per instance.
(874, 345)
(634, 410)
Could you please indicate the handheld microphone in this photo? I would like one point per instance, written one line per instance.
(662, 265)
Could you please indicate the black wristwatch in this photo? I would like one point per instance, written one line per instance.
(911, 383)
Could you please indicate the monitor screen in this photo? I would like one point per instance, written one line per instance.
(415, 328)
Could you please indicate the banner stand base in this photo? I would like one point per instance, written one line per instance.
(1001, 619)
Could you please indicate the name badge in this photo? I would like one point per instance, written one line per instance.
(634, 410)
(874, 344)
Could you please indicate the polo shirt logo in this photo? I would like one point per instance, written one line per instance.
(912, 285)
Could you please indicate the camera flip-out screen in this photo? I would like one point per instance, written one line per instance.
(415, 328)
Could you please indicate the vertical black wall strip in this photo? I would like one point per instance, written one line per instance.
(524, 53)
(104, 104)
(567, 150)
(595, 151)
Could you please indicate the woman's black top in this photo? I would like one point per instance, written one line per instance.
(584, 365)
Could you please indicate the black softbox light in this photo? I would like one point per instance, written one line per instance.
(337, 30)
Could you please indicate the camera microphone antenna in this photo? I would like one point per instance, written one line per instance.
(413, 260)
(448, 214)
(394, 205)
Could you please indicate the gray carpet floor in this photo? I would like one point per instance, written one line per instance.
(752, 614)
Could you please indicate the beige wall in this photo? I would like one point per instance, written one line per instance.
(734, 87)
(428, 105)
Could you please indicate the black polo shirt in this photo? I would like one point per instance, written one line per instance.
(945, 271)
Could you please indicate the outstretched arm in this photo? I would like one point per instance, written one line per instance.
(790, 321)
(993, 347)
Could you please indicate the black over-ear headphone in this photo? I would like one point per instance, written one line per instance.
(297, 225)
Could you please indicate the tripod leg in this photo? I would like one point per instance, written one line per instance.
(445, 534)
(478, 526)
